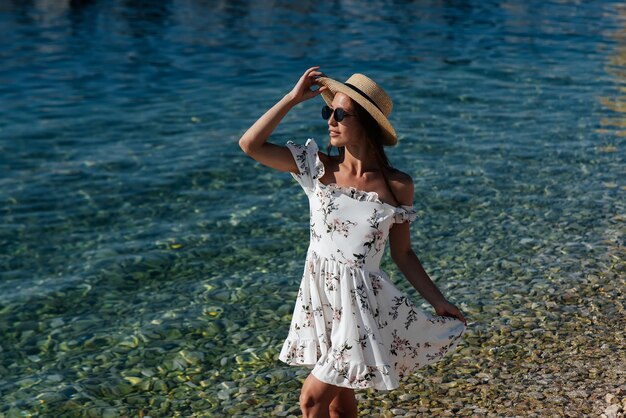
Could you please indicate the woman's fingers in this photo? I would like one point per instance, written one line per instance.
(314, 76)
(462, 318)
(448, 309)
(313, 73)
(455, 312)
(459, 315)
(303, 89)
(317, 91)
(308, 72)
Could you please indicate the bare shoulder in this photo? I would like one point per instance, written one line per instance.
(327, 161)
(323, 157)
(402, 185)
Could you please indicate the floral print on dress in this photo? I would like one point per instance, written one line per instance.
(342, 227)
(350, 323)
(376, 236)
(330, 280)
(377, 283)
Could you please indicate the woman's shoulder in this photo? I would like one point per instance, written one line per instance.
(312, 146)
(326, 159)
(400, 177)
(402, 185)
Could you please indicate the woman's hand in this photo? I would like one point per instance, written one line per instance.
(302, 90)
(445, 308)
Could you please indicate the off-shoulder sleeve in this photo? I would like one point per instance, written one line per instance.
(405, 213)
(309, 164)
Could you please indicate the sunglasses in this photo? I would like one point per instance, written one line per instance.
(338, 113)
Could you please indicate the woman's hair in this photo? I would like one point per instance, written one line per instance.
(375, 136)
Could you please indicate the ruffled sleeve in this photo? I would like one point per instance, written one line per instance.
(404, 213)
(308, 162)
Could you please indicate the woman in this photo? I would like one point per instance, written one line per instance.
(350, 323)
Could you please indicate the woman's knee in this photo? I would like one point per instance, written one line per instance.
(316, 395)
(343, 405)
(313, 406)
(307, 399)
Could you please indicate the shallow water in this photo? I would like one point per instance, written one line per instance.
(148, 266)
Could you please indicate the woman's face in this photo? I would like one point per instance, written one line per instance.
(349, 130)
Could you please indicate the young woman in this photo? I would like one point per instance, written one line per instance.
(350, 324)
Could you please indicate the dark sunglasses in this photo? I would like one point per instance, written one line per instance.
(338, 113)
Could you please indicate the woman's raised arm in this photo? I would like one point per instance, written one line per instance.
(254, 140)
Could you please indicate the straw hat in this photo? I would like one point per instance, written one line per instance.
(368, 94)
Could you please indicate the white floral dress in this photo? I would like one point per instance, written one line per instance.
(350, 323)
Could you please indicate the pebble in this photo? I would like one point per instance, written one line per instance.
(224, 394)
(57, 322)
(109, 413)
(612, 411)
(537, 395)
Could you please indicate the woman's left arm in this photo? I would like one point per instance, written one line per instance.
(408, 263)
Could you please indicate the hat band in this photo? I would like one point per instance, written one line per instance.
(364, 95)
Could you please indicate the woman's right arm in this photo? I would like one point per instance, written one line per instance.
(254, 140)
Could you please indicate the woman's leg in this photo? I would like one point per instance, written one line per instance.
(344, 404)
(315, 397)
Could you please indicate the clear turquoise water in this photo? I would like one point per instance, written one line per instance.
(133, 228)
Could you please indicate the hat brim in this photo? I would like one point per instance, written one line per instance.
(333, 87)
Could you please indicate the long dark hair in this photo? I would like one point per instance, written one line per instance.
(375, 136)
